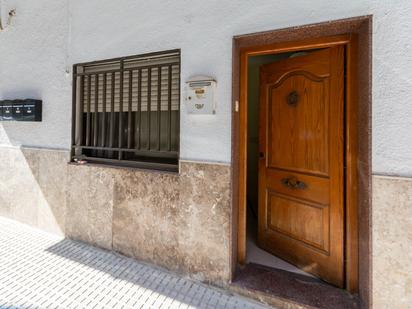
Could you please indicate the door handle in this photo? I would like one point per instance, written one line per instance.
(261, 155)
(293, 183)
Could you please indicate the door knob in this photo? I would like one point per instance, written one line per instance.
(293, 98)
(261, 155)
(293, 183)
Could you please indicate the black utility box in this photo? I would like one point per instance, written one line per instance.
(21, 110)
(18, 111)
(7, 108)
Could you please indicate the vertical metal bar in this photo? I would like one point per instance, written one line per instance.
(88, 110)
(149, 103)
(104, 111)
(80, 139)
(178, 108)
(169, 110)
(96, 109)
(159, 101)
(112, 112)
(74, 115)
(121, 108)
(139, 103)
(129, 116)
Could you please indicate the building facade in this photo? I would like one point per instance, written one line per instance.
(184, 221)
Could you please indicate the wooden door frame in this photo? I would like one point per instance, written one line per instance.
(355, 35)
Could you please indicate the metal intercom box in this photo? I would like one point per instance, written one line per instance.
(200, 95)
(7, 111)
(21, 110)
(18, 111)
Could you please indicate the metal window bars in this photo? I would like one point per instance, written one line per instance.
(126, 111)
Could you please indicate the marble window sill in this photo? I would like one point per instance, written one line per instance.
(130, 168)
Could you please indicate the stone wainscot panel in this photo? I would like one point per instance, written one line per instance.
(177, 221)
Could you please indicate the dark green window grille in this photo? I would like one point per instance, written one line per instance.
(126, 111)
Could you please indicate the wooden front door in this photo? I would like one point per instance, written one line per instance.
(301, 172)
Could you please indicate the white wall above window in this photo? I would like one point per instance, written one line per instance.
(48, 36)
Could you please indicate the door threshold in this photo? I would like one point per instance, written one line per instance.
(285, 289)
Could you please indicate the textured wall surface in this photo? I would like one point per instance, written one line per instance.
(178, 221)
(172, 220)
(392, 242)
(48, 36)
(33, 187)
(181, 222)
(33, 64)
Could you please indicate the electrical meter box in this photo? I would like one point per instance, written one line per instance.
(7, 108)
(200, 95)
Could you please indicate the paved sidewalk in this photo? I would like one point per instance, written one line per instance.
(39, 270)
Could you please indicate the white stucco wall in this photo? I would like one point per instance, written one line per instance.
(33, 64)
(48, 35)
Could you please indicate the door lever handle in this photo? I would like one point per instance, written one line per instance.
(293, 183)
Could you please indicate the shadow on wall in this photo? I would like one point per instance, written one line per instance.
(33, 185)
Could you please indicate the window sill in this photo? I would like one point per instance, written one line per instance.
(129, 168)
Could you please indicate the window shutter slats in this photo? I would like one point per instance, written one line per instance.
(154, 92)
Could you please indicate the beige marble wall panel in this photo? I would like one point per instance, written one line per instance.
(77, 200)
(33, 190)
(23, 190)
(52, 180)
(5, 169)
(5, 174)
(172, 220)
(100, 207)
(392, 242)
(180, 222)
(204, 214)
(90, 205)
(145, 217)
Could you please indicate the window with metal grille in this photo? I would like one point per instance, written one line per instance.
(126, 111)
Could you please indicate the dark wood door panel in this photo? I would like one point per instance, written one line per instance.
(298, 125)
(306, 257)
(304, 186)
(303, 221)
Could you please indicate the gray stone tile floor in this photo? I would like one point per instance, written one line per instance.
(39, 270)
